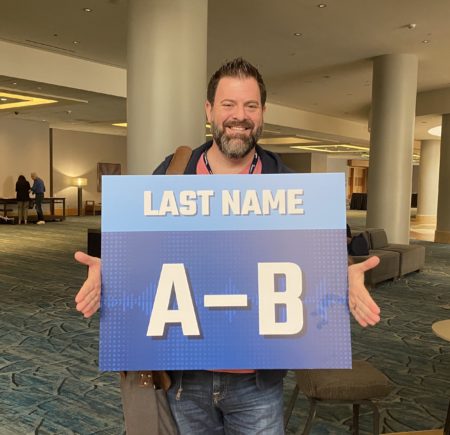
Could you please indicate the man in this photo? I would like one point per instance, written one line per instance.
(38, 189)
(245, 401)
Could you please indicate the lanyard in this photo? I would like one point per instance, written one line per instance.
(250, 171)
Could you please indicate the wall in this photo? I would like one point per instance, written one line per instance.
(23, 149)
(76, 154)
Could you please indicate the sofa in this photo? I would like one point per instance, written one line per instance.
(412, 257)
(396, 260)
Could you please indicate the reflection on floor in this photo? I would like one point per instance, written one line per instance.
(357, 221)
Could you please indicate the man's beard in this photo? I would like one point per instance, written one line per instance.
(237, 145)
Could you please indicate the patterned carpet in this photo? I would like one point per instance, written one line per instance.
(49, 382)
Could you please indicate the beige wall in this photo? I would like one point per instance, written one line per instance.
(76, 154)
(23, 148)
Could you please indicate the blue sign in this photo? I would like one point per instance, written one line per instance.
(224, 272)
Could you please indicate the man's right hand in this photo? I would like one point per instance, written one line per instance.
(88, 297)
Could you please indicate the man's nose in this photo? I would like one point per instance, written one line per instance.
(239, 113)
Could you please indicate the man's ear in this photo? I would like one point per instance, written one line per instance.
(208, 108)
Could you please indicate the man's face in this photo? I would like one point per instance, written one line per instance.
(237, 116)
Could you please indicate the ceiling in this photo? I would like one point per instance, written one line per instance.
(327, 69)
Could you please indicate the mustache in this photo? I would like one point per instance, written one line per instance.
(246, 123)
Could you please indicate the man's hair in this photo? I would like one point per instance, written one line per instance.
(236, 68)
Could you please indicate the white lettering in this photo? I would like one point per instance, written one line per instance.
(173, 278)
(269, 298)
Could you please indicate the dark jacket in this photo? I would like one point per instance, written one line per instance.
(23, 190)
(271, 164)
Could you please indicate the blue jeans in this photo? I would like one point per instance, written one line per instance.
(38, 201)
(207, 403)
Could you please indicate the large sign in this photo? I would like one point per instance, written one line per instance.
(224, 272)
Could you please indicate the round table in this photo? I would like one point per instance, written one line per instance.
(442, 330)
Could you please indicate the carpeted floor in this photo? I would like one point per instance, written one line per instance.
(50, 384)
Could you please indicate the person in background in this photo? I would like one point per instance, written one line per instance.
(38, 189)
(23, 198)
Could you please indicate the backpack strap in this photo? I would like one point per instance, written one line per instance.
(179, 161)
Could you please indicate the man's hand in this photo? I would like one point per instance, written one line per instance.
(88, 297)
(362, 306)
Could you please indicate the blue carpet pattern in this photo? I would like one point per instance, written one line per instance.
(50, 383)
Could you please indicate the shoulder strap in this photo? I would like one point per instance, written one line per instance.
(179, 161)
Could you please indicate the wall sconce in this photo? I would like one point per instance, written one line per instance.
(79, 182)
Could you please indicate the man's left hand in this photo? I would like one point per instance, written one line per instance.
(362, 306)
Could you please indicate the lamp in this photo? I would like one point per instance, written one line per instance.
(79, 182)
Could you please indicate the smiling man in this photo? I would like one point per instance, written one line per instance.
(238, 401)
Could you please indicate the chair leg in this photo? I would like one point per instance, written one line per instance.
(290, 407)
(447, 422)
(311, 415)
(376, 416)
(355, 429)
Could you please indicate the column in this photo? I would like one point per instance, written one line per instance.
(442, 234)
(427, 194)
(391, 145)
(166, 79)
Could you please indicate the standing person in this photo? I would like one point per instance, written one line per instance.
(38, 189)
(246, 401)
(23, 198)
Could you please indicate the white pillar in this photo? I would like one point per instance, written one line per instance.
(442, 234)
(427, 195)
(391, 145)
(166, 79)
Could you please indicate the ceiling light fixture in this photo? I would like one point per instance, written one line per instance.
(87, 9)
(23, 101)
(298, 34)
(331, 148)
(411, 26)
(321, 5)
(3, 99)
(436, 131)
(426, 41)
(76, 42)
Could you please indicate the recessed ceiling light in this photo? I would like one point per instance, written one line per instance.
(87, 9)
(321, 5)
(411, 26)
(3, 99)
(436, 131)
(14, 83)
(298, 34)
(426, 41)
(76, 42)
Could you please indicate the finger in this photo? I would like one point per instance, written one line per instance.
(366, 265)
(86, 259)
(89, 307)
(364, 318)
(84, 291)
